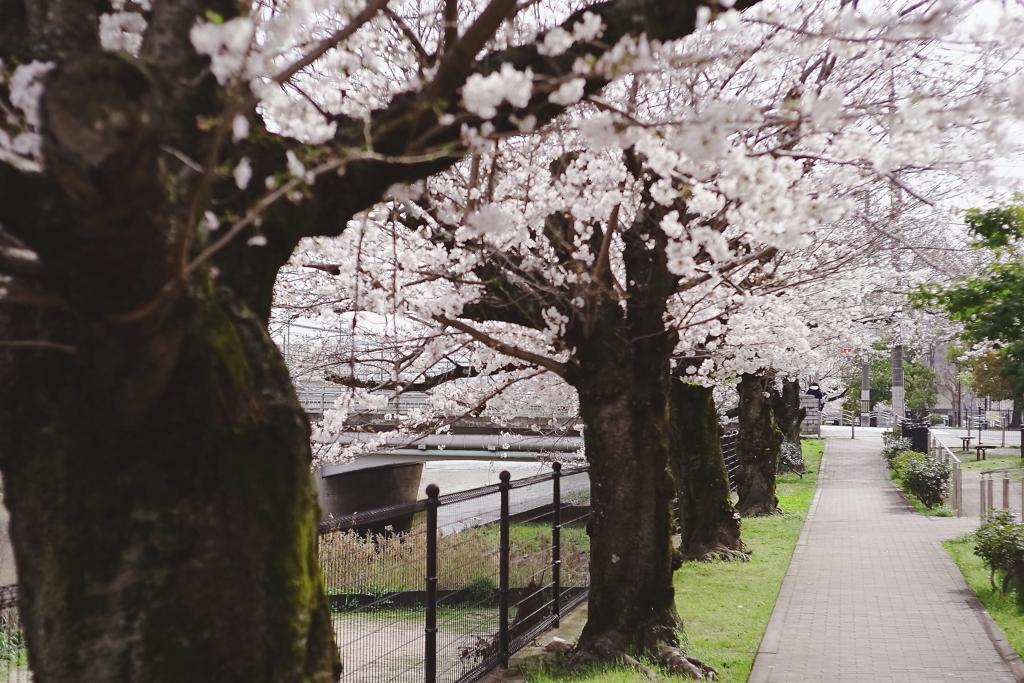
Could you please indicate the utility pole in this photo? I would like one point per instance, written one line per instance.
(898, 397)
(865, 393)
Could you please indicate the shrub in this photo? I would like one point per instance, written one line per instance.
(893, 445)
(923, 477)
(480, 589)
(1000, 543)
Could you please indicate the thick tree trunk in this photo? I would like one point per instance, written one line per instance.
(786, 409)
(709, 527)
(632, 601)
(757, 446)
(623, 378)
(163, 513)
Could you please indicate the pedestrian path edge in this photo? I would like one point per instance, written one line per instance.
(765, 657)
(765, 660)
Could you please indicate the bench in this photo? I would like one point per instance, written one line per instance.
(967, 443)
(981, 448)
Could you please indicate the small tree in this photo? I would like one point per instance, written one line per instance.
(1000, 542)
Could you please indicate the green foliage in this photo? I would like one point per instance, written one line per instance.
(924, 477)
(892, 446)
(920, 391)
(989, 303)
(996, 228)
(479, 589)
(987, 375)
(1000, 543)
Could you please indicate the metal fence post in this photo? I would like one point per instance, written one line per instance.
(983, 509)
(991, 494)
(503, 549)
(556, 541)
(956, 488)
(430, 631)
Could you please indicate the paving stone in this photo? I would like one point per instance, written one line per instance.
(871, 595)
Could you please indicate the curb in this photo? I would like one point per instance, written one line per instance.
(995, 634)
(764, 660)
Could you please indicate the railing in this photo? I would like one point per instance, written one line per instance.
(988, 490)
(940, 451)
(446, 589)
(316, 401)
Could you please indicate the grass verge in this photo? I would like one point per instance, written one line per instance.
(725, 606)
(994, 461)
(1006, 610)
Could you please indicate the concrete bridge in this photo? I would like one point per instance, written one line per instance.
(394, 474)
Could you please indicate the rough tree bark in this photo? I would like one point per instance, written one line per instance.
(155, 458)
(623, 378)
(709, 526)
(786, 409)
(757, 446)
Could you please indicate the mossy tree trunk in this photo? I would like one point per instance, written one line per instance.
(624, 408)
(164, 517)
(623, 377)
(709, 526)
(786, 409)
(757, 446)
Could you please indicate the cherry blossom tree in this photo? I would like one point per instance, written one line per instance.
(158, 164)
(603, 249)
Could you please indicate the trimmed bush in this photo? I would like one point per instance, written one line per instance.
(1000, 543)
(892, 446)
(923, 477)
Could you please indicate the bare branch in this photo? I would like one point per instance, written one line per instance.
(560, 369)
(426, 384)
(765, 254)
(341, 35)
(458, 61)
(38, 345)
(408, 33)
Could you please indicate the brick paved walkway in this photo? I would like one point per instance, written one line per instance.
(871, 596)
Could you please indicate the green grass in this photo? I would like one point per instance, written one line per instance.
(533, 536)
(725, 606)
(937, 511)
(993, 461)
(1006, 610)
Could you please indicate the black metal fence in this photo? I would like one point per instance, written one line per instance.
(445, 589)
(13, 656)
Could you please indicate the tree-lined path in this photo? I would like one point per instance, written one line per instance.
(871, 595)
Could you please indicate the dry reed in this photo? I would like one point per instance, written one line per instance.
(376, 564)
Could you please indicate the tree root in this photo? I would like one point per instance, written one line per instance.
(761, 512)
(680, 664)
(677, 663)
(646, 671)
(721, 552)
